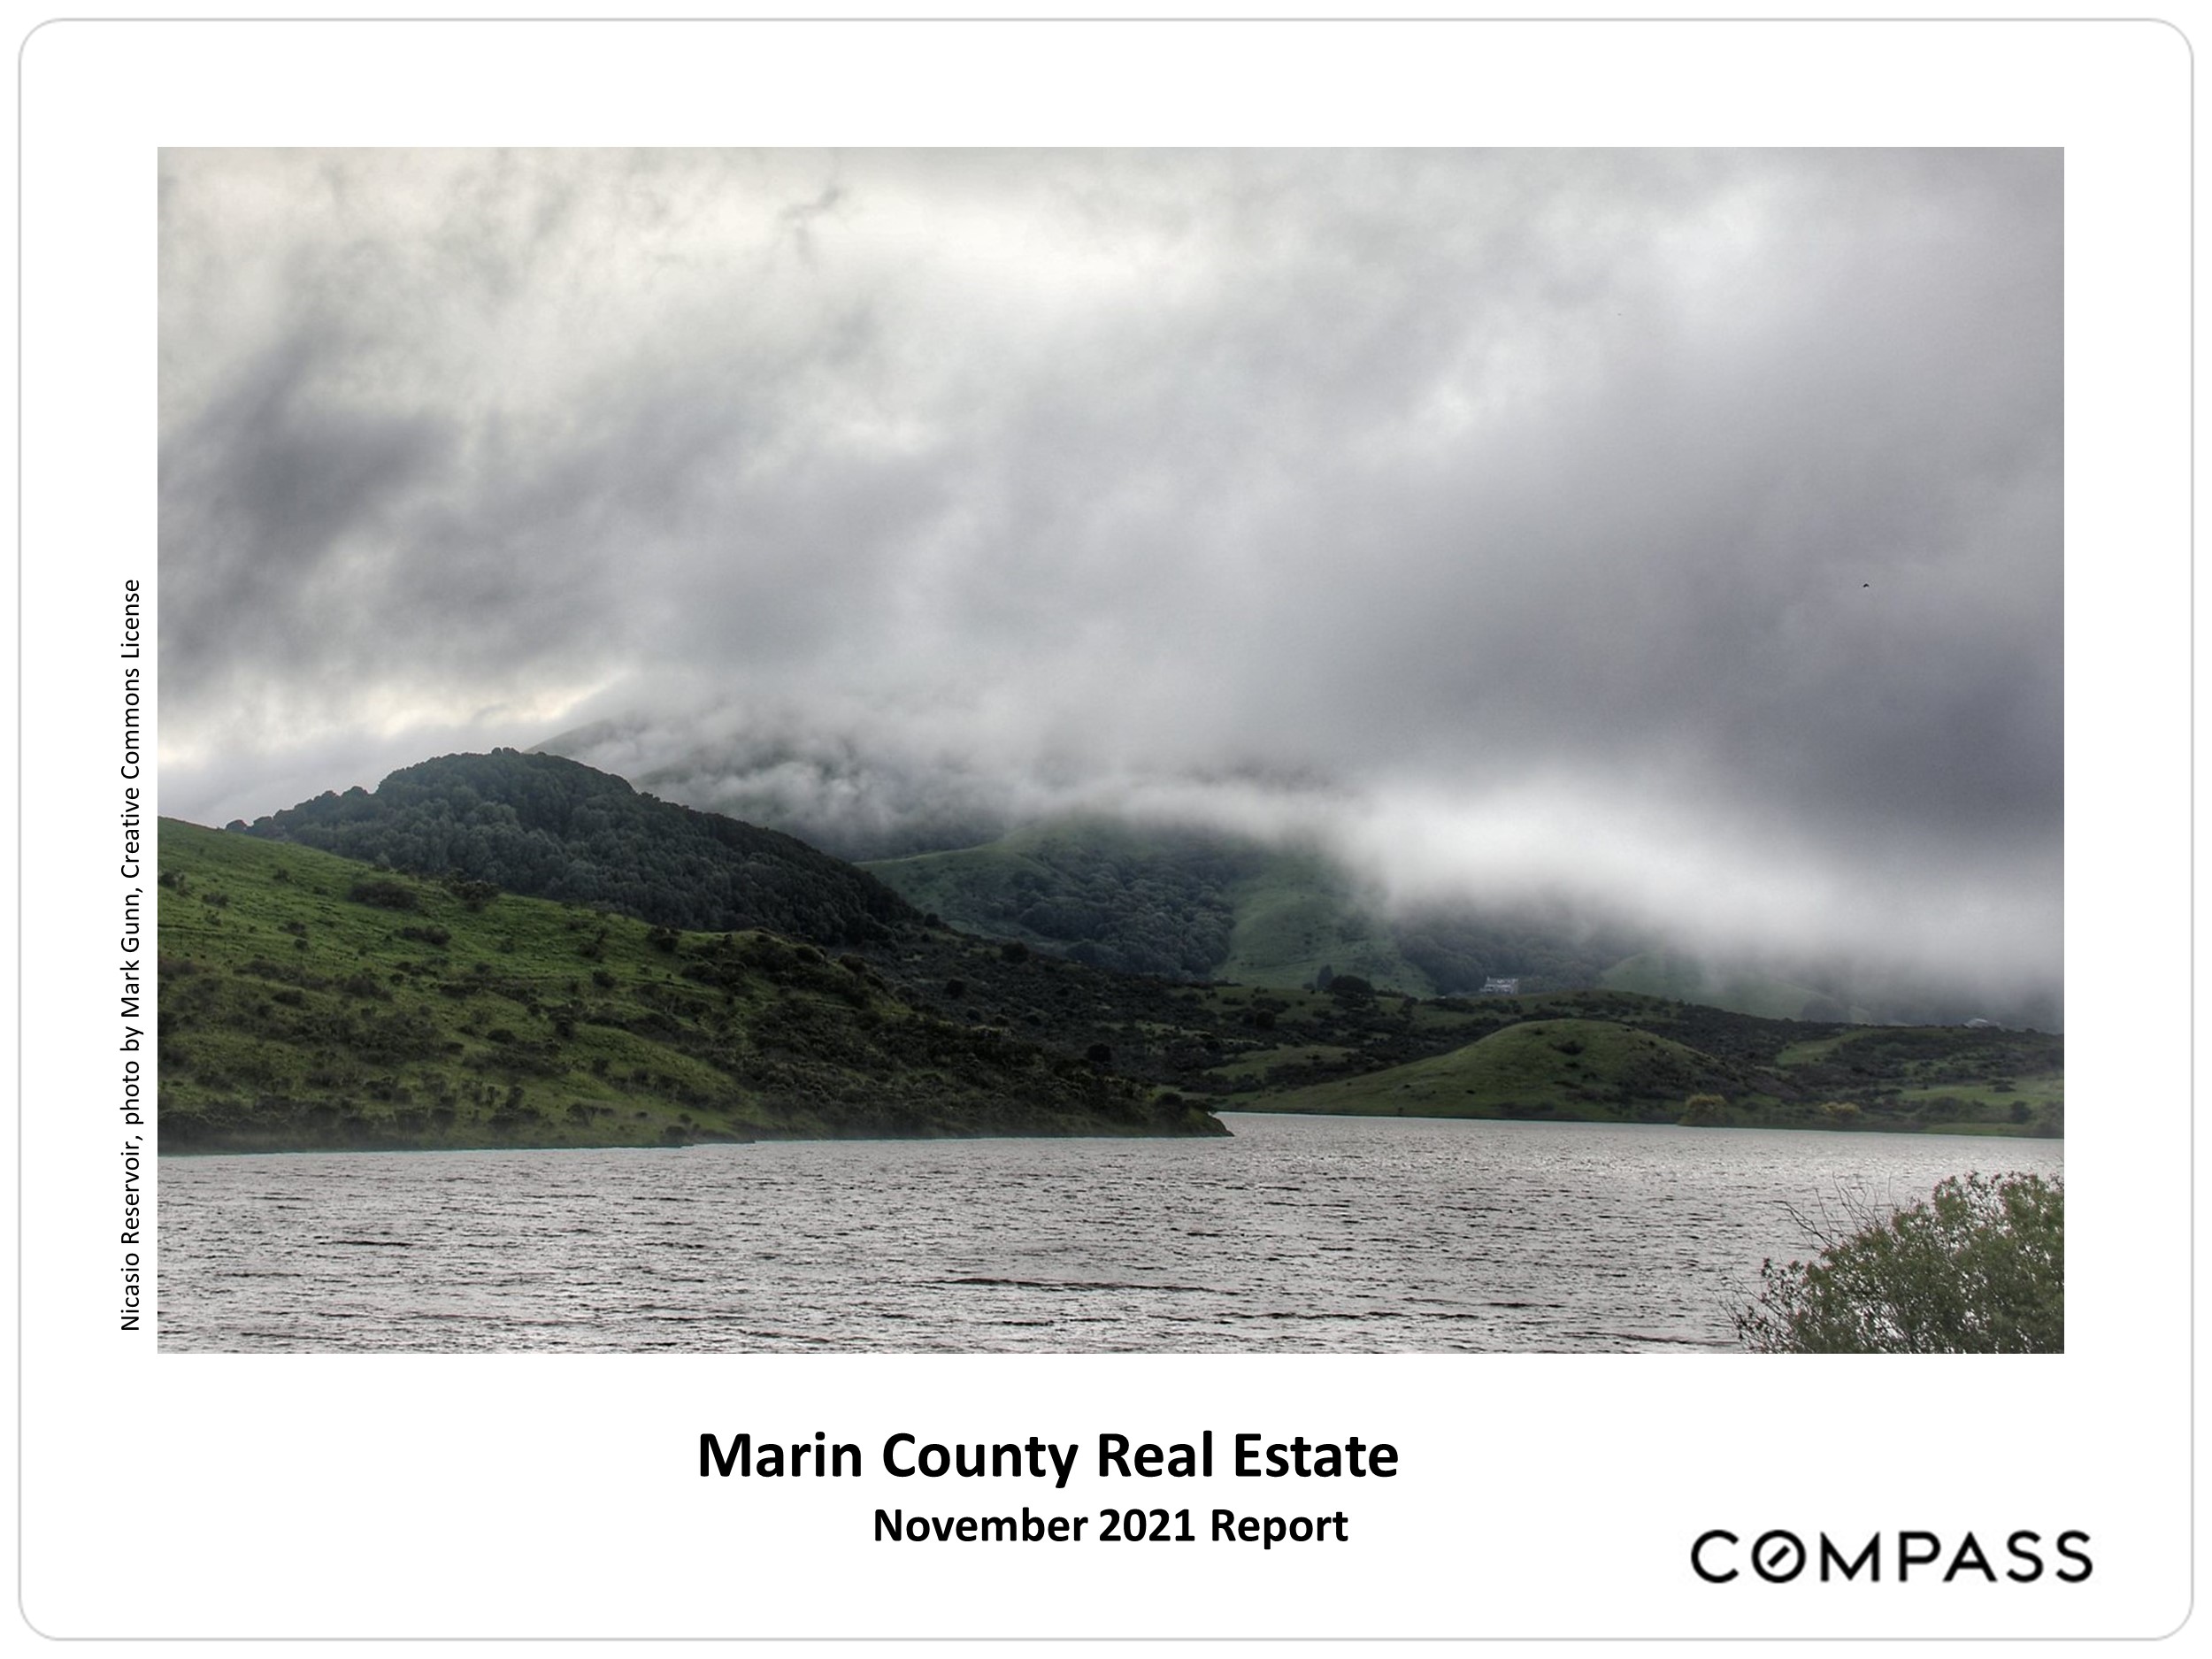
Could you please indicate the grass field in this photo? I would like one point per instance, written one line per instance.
(1665, 1062)
(1294, 917)
(1682, 979)
(1587, 1068)
(306, 1000)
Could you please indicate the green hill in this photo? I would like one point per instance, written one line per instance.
(1578, 1068)
(1197, 905)
(311, 1001)
(1603, 1058)
(1298, 920)
(1686, 980)
(547, 827)
(1098, 892)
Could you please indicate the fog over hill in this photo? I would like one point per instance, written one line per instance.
(1676, 531)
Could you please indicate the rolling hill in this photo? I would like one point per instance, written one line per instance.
(1603, 1058)
(538, 825)
(1198, 904)
(308, 1000)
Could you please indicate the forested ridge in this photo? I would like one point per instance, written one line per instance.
(552, 828)
(1066, 1035)
(1191, 903)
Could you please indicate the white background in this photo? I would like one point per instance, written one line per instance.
(552, 1495)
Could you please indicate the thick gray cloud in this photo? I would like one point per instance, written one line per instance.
(1681, 529)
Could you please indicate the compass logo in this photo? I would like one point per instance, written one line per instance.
(1781, 1556)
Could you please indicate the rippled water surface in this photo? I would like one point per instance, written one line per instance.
(1352, 1234)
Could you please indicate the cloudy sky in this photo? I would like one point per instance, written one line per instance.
(1680, 529)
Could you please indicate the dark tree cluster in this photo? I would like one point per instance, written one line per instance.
(1459, 949)
(547, 827)
(1165, 910)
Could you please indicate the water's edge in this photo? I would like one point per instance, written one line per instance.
(1294, 1234)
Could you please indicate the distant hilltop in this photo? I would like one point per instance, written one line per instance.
(552, 828)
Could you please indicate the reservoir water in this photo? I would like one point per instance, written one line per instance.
(1298, 1233)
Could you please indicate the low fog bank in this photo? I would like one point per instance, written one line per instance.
(1876, 914)
(1899, 918)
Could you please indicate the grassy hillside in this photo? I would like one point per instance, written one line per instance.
(311, 1001)
(1581, 1068)
(1296, 915)
(1570, 1054)
(1100, 893)
(1197, 905)
(1194, 904)
(1637, 1060)
(1686, 980)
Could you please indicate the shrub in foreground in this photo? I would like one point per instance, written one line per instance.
(1979, 1267)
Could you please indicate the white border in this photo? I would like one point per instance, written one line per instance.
(541, 1495)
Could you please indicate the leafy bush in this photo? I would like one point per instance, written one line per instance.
(473, 895)
(1978, 1268)
(1702, 1109)
(384, 893)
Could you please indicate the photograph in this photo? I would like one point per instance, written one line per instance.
(1115, 829)
(1080, 751)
